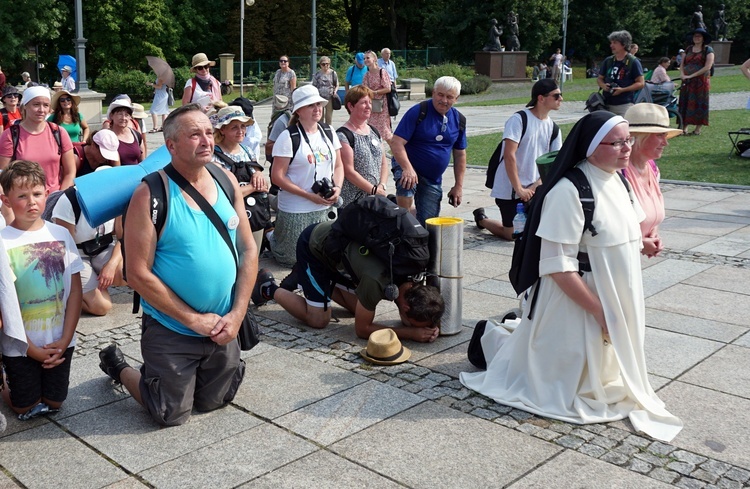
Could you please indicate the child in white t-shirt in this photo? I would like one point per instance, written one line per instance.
(44, 259)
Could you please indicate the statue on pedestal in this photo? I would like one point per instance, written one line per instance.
(696, 22)
(493, 37)
(513, 44)
(720, 25)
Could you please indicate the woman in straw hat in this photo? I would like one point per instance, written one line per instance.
(37, 141)
(64, 108)
(649, 125)
(230, 125)
(578, 356)
(317, 157)
(202, 85)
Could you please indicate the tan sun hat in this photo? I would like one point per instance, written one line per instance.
(650, 119)
(139, 112)
(228, 114)
(56, 98)
(201, 59)
(384, 348)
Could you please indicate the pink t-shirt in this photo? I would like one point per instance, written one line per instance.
(649, 196)
(41, 148)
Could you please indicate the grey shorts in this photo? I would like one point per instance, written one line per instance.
(181, 372)
(92, 265)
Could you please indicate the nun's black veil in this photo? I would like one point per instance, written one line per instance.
(524, 270)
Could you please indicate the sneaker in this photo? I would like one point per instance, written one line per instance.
(260, 289)
(37, 410)
(112, 362)
(291, 281)
(479, 215)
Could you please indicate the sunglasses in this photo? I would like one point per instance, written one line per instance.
(325, 64)
(201, 68)
(283, 61)
(65, 99)
(13, 95)
(557, 96)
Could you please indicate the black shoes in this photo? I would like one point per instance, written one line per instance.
(261, 290)
(479, 215)
(112, 362)
(291, 281)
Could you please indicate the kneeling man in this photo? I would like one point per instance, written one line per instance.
(323, 280)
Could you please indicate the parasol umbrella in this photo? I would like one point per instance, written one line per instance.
(68, 60)
(162, 70)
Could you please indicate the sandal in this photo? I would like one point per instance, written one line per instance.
(695, 133)
(152, 131)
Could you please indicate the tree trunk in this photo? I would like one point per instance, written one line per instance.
(353, 10)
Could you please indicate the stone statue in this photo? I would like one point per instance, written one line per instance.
(696, 22)
(720, 25)
(493, 37)
(513, 44)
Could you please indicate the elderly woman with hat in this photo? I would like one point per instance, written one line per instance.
(120, 115)
(649, 125)
(10, 111)
(64, 108)
(578, 356)
(297, 167)
(40, 142)
(230, 125)
(202, 85)
(695, 72)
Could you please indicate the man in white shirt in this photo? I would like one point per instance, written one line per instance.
(68, 83)
(388, 65)
(517, 175)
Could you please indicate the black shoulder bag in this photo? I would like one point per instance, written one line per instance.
(249, 333)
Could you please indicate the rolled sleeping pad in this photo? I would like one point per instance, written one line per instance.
(104, 195)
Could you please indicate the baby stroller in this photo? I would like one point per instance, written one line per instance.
(663, 94)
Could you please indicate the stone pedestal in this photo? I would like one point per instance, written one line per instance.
(226, 67)
(416, 85)
(91, 108)
(501, 66)
(721, 52)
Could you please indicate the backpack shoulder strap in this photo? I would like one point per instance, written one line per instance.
(348, 133)
(555, 133)
(15, 135)
(461, 122)
(56, 134)
(223, 157)
(137, 135)
(72, 196)
(373, 129)
(157, 187)
(585, 195)
(327, 130)
(296, 139)
(6, 117)
(223, 180)
(524, 123)
(422, 111)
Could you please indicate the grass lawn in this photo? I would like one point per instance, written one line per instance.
(696, 159)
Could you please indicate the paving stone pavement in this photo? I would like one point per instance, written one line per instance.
(311, 413)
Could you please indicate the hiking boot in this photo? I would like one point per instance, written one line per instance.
(262, 288)
(479, 215)
(291, 281)
(112, 362)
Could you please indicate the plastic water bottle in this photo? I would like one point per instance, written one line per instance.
(519, 221)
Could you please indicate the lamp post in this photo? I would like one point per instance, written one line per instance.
(313, 44)
(80, 42)
(249, 3)
(565, 40)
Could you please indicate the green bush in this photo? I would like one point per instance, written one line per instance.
(477, 84)
(181, 76)
(132, 82)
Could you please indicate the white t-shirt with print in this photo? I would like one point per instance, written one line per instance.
(310, 162)
(536, 142)
(43, 262)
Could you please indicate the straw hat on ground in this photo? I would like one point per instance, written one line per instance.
(384, 348)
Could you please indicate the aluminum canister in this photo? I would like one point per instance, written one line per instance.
(446, 268)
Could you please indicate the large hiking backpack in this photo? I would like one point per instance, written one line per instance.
(497, 156)
(524, 266)
(386, 230)
(158, 188)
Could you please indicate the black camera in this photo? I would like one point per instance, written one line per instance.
(324, 187)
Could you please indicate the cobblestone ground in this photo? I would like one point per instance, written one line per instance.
(660, 461)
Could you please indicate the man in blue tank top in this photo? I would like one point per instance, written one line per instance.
(193, 298)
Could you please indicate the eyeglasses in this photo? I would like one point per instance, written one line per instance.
(445, 124)
(201, 68)
(325, 64)
(557, 96)
(617, 145)
(65, 99)
(283, 61)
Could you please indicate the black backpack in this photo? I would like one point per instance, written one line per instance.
(386, 230)
(424, 104)
(157, 186)
(497, 156)
(524, 266)
(743, 148)
(350, 135)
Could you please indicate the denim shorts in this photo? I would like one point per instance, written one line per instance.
(426, 194)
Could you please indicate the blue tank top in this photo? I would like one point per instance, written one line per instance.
(193, 260)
